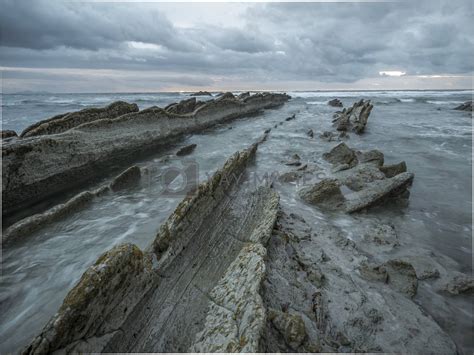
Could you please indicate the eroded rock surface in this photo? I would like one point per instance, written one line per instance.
(8, 134)
(353, 118)
(35, 168)
(64, 122)
(335, 103)
(195, 287)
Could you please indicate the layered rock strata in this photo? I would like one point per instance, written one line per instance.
(196, 287)
(38, 167)
(353, 118)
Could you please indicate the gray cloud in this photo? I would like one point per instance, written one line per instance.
(325, 42)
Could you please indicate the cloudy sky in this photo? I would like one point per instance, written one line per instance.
(105, 46)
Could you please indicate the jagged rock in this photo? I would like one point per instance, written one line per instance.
(326, 193)
(341, 154)
(378, 191)
(310, 133)
(290, 326)
(398, 274)
(467, 106)
(292, 117)
(128, 178)
(290, 176)
(186, 150)
(243, 95)
(8, 134)
(37, 168)
(358, 177)
(183, 107)
(335, 103)
(105, 295)
(371, 156)
(394, 169)
(64, 122)
(201, 93)
(354, 118)
(226, 96)
(461, 284)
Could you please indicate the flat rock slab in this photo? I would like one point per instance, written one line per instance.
(377, 192)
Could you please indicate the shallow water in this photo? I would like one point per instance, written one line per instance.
(418, 127)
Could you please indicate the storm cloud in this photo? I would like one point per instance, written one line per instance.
(272, 45)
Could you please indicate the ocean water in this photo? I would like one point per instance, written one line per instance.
(419, 127)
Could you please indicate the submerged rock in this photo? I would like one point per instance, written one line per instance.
(186, 150)
(64, 122)
(461, 284)
(335, 103)
(398, 274)
(292, 117)
(467, 106)
(310, 133)
(8, 134)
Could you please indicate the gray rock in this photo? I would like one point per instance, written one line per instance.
(290, 326)
(201, 93)
(399, 274)
(335, 103)
(35, 168)
(326, 193)
(467, 106)
(226, 96)
(459, 285)
(243, 95)
(292, 117)
(378, 191)
(64, 122)
(372, 156)
(183, 107)
(341, 154)
(8, 134)
(186, 150)
(128, 178)
(354, 118)
(394, 169)
(310, 133)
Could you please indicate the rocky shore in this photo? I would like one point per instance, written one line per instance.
(234, 268)
(71, 150)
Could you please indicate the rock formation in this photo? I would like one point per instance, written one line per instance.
(8, 134)
(196, 287)
(186, 150)
(353, 118)
(467, 106)
(364, 175)
(28, 225)
(201, 93)
(35, 168)
(335, 103)
(67, 121)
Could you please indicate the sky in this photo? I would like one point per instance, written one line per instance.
(127, 46)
